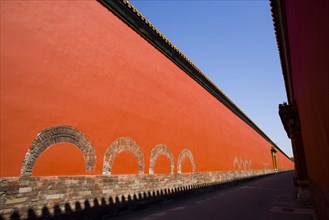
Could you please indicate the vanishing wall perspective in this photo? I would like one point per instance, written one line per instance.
(85, 96)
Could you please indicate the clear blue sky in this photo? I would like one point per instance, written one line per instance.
(233, 43)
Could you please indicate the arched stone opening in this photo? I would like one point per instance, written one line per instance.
(185, 153)
(241, 165)
(249, 165)
(236, 164)
(58, 134)
(118, 146)
(161, 149)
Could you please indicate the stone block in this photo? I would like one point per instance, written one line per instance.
(55, 196)
(15, 200)
(25, 189)
(85, 193)
(107, 191)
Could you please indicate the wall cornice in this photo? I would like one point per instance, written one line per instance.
(281, 34)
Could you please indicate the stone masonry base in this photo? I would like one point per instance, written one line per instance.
(32, 197)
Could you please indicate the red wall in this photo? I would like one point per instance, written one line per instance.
(75, 63)
(308, 34)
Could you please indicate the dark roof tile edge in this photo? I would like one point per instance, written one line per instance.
(277, 10)
(154, 28)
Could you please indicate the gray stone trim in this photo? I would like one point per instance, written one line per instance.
(185, 153)
(246, 163)
(118, 146)
(58, 134)
(158, 150)
(249, 165)
(236, 164)
(241, 166)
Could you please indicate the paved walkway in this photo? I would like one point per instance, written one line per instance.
(267, 198)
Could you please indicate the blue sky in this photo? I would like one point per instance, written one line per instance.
(233, 43)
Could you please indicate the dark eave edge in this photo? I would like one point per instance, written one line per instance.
(130, 15)
(280, 29)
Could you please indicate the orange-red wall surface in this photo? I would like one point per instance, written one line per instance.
(75, 63)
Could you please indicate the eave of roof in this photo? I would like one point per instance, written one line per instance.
(133, 18)
(280, 29)
(281, 34)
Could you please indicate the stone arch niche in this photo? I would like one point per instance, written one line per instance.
(249, 165)
(185, 153)
(246, 163)
(58, 134)
(118, 146)
(236, 164)
(156, 152)
(241, 166)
